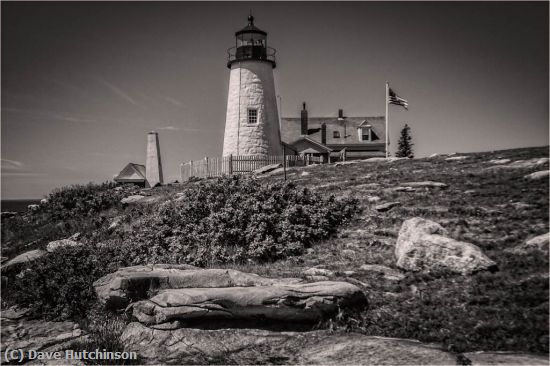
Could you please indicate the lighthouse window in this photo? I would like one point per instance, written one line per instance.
(252, 116)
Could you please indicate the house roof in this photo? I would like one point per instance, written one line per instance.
(309, 141)
(348, 128)
(131, 173)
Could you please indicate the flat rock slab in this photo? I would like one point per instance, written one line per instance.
(424, 245)
(538, 175)
(499, 161)
(386, 206)
(425, 184)
(116, 290)
(387, 272)
(305, 302)
(457, 158)
(36, 334)
(540, 243)
(267, 169)
(254, 346)
(24, 258)
(386, 160)
(519, 164)
(506, 358)
(318, 272)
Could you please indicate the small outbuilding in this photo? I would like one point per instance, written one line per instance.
(134, 174)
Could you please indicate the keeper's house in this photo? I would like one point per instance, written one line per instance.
(335, 138)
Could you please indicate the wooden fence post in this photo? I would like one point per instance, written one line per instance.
(230, 164)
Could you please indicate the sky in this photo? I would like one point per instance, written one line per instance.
(83, 83)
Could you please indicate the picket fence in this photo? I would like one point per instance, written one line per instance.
(233, 164)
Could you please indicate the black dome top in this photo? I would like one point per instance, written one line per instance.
(250, 28)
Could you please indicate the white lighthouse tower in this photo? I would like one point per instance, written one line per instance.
(252, 120)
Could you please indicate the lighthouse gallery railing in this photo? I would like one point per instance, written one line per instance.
(233, 164)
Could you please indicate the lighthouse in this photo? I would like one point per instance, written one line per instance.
(252, 120)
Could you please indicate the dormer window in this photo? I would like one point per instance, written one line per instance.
(365, 133)
(252, 116)
(336, 134)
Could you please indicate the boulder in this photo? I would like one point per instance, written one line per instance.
(44, 201)
(256, 346)
(63, 243)
(539, 243)
(499, 161)
(505, 358)
(33, 207)
(403, 189)
(24, 258)
(425, 184)
(117, 289)
(457, 158)
(520, 164)
(132, 199)
(8, 214)
(387, 272)
(434, 155)
(267, 169)
(373, 199)
(304, 174)
(424, 245)
(318, 272)
(386, 206)
(538, 175)
(302, 302)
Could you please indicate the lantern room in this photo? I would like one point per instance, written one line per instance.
(251, 44)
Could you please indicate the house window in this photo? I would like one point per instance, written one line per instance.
(365, 134)
(336, 134)
(252, 116)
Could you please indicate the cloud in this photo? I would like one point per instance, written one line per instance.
(8, 164)
(50, 115)
(121, 93)
(173, 101)
(22, 174)
(169, 128)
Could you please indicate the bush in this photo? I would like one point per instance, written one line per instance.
(59, 285)
(83, 200)
(234, 219)
(104, 332)
(223, 220)
(78, 208)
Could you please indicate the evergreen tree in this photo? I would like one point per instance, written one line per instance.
(405, 145)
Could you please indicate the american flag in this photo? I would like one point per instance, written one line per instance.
(395, 99)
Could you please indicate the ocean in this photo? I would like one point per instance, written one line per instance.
(17, 205)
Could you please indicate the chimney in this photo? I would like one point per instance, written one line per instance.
(340, 114)
(153, 165)
(324, 133)
(304, 119)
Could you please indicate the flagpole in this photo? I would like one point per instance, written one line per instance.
(387, 120)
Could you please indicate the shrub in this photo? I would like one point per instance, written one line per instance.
(224, 220)
(104, 332)
(234, 219)
(78, 208)
(59, 285)
(83, 200)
